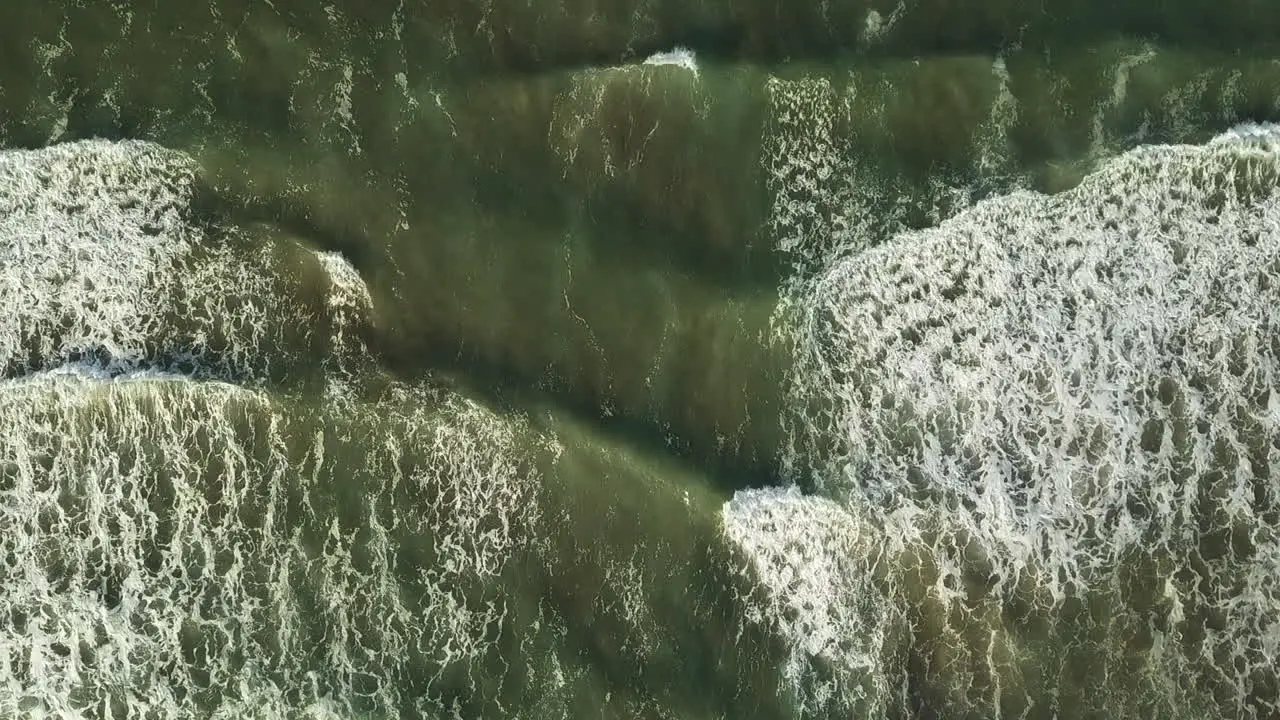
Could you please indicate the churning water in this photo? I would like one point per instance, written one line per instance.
(504, 359)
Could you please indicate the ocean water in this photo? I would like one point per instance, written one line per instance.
(491, 359)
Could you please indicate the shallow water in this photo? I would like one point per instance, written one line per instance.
(642, 360)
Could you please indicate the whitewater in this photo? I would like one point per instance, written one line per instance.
(511, 361)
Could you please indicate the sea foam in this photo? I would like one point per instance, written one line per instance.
(679, 57)
(174, 548)
(1044, 402)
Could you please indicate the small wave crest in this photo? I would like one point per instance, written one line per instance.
(680, 57)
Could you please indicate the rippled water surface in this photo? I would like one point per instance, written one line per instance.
(692, 360)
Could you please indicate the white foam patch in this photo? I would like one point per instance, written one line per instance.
(101, 258)
(814, 562)
(1265, 136)
(1067, 383)
(173, 549)
(347, 299)
(874, 26)
(810, 172)
(87, 235)
(680, 57)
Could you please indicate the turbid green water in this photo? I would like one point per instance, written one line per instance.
(690, 360)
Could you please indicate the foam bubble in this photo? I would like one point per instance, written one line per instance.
(876, 26)
(1103, 142)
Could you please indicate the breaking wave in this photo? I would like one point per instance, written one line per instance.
(178, 540)
(104, 258)
(172, 548)
(1050, 417)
